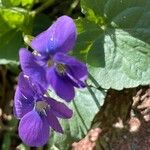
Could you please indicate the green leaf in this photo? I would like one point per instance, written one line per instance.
(96, 55)
(13, 23)
(88, 31)
(9, 3)
(41, 23)
(6, 141)
(94, 10)
(27, 3)
(15, 18)
(11, 65)
(85, 105)
(114, 8)
(116, 50)
(23, 147)
(23, 3)
(127, 62)
(5, 61)
(11, 41)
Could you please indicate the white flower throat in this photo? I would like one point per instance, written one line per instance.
(42, 106)
(60, 68)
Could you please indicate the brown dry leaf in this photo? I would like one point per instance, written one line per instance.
(89, 142)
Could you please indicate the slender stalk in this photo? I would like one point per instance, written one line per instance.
(42, 7)
(4, 84)
(94, 97)
(73, 6)
(80, 116)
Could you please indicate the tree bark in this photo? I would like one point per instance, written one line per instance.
(122, 123)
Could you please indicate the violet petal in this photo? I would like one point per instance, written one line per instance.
(34, 129)
(76, 70)
(53, 121)
(60, 36)
(31, 68)
(22, 105)
(60, 84)
(25, 86)
(59, 109)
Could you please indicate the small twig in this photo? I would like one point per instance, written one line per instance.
(73, 6)
(42, 7)
(4, 84)
(80, 116)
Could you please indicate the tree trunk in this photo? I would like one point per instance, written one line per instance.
(122, 121)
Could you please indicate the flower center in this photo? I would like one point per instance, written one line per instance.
(61, 68)
(49, 63)
(41, 106)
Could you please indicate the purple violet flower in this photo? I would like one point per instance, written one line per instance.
(37, 112)
(50, 65)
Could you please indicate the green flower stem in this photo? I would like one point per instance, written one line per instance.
(76, 108)
(73, 6)
(42, 7)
